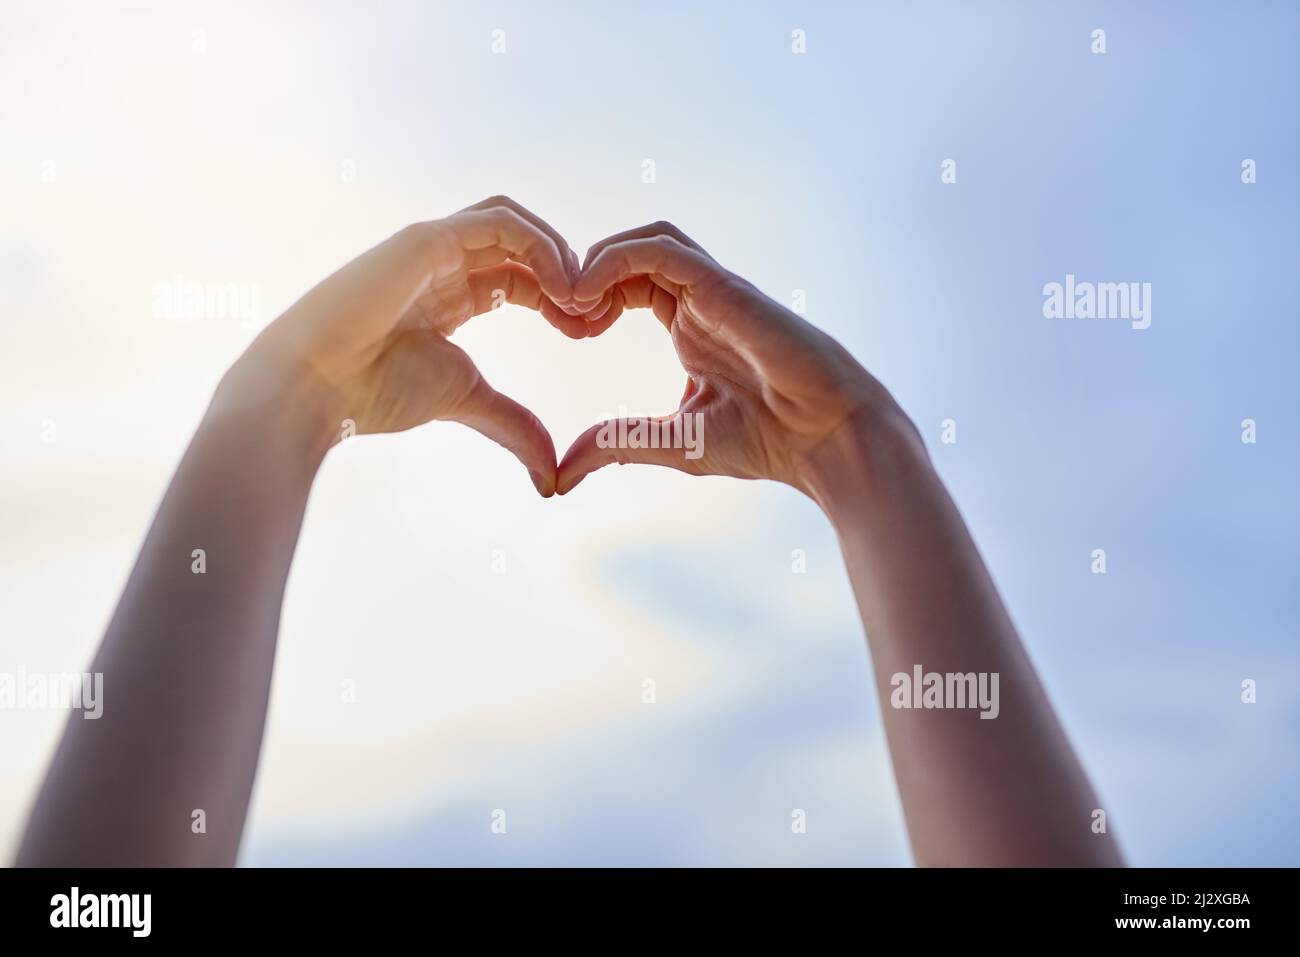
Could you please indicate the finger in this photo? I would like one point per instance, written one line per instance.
(603, 320)
(661, 228)
(639, 292)
(673, 441)
(661, 257)
(569, 256)
(575, 327)
(513, 427)
(520, 239)
(590, 314)
(510, 282)
(657, 271)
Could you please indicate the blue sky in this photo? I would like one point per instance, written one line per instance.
(818, 172)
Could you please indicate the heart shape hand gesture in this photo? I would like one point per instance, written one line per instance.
(370, 344)
(777, 399)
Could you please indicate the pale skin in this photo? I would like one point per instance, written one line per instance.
(188, 657)
(782, 400)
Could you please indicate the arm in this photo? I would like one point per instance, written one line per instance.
(779, 399)
(187, 656)
(1006, 790)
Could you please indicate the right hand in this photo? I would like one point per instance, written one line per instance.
(771, 388)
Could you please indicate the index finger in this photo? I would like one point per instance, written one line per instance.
(519, 239)
(566, 251)
(661, 228)
(657, 256)
(511, 282)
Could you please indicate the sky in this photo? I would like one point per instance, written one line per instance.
(499, 644)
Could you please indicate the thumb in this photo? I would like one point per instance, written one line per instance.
(674, 441)
(512, 426)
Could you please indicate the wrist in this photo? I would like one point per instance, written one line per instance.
(872, 451)
(288, 404)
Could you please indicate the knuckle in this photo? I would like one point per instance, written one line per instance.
(540, 249)
(428, 237)
(731, 291)
(509, 215)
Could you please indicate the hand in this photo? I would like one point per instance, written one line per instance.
(370, 344)
(771, 390)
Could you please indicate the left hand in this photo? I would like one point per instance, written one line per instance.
(775, 392)
(370, 343)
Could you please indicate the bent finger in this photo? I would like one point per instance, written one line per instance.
(522, 240)
(658, 256)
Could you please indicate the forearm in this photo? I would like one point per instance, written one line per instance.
(1003, 790)
(187, 656)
